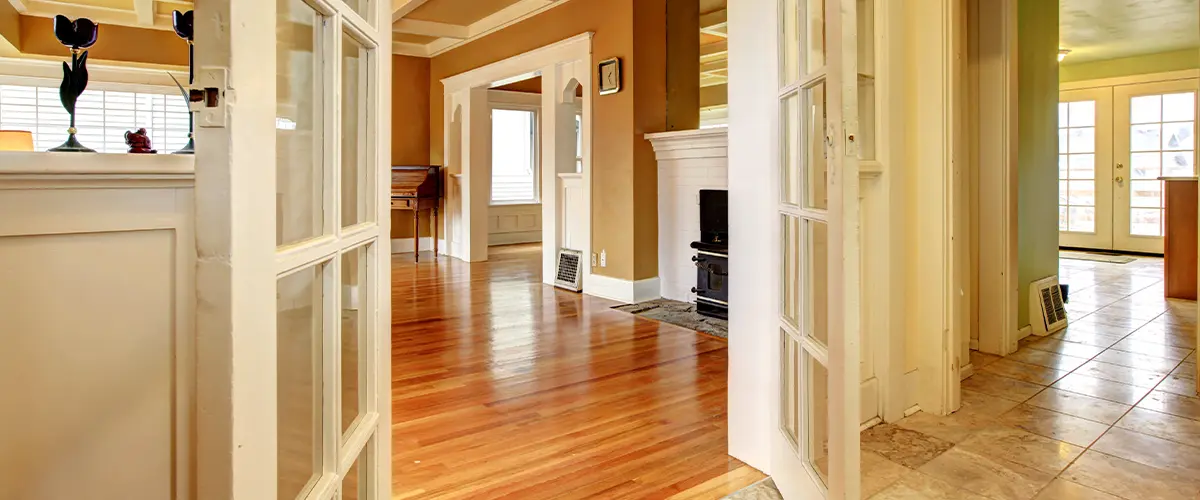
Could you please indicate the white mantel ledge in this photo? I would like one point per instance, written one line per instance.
(701, 143)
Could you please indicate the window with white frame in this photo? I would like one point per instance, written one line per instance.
(101, 116)
(514, 156)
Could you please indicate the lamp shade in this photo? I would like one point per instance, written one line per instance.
(16, 140)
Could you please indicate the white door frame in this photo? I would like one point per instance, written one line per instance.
(994, 158)
(558, 64)
(239, 264)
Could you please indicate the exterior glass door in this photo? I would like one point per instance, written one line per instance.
(816, 449)
(1156, 137)
(1084, 164)
(1115, 142)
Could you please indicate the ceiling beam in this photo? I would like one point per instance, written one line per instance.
(715, 23)
(508, 16)
(102, 15)
(401, 8)
(430, 28)
(144, 9)
(410, 49)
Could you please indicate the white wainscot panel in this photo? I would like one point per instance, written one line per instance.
(96, 316)
(512, 224)
(688, 161)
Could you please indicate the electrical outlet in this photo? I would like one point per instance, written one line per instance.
(603, 258)
(594, 260)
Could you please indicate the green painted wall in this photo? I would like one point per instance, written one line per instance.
(1037, 147)
(1126, 66)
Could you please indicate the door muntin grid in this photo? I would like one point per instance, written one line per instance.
(803, 200)
(1077, 189)
(329, 237)
(1161, 143)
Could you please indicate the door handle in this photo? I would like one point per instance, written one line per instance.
(1119, 179)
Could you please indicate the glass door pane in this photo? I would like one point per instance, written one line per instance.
(299, 323)
(357, 190)
(300, 168)
(1077, 166)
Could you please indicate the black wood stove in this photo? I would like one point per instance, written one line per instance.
(712, 255)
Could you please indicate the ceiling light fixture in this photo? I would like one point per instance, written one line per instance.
(1062, 54)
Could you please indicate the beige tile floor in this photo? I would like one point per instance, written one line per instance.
(1104, 410)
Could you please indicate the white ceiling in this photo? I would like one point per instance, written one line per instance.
(1108, 29)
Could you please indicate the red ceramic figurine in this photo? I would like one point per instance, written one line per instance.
(139, 142)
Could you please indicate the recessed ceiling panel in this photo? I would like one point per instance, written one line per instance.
(410, 38)
(460, 12)
(710, 6)
(1109, 29)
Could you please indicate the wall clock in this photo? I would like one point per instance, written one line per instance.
(610, 76)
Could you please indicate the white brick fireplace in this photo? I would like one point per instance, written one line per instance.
(688, 161)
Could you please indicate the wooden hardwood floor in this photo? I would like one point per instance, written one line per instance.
(505, 388)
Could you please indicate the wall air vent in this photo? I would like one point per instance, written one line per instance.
(569, 274)
(1046, 310)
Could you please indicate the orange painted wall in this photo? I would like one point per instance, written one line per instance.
(624, 173)
(116, 43)
(410, 129)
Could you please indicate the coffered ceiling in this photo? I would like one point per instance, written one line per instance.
(714, 43)
(155, 14)
(1109, 29)
(429, 27)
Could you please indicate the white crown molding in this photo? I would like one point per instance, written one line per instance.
(431, 28)
(410, 49)
(508, 16)
(102, 15)
(19, 5)
(576, 47)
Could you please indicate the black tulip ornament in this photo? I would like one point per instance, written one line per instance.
(184, 24)
(78, 35)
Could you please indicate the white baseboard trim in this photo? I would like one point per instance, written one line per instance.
(912, 384)
(966, 371)
(405, 245)
(869, 402)
(625, 291)
(1025, 331)
(974, 345)
(514, 238)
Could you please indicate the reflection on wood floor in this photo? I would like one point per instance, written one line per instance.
(506, 388)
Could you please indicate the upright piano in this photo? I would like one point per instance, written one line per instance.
(418, 188)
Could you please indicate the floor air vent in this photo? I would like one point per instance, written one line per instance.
(1046, 300)
(569, 274)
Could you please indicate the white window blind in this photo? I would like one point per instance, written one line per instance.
(101, 116)
(514, 159)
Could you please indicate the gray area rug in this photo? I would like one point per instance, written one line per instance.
(678, 313)
(762, 490)
(1097, 257)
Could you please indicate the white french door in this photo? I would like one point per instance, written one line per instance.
(1155, 136)
(1115, 142)
(292, 203)
(1084, 168)
(815, 450)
